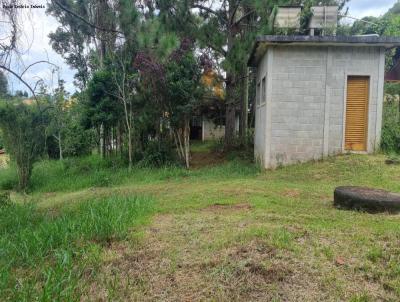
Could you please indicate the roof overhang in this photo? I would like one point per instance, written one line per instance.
(263, 42)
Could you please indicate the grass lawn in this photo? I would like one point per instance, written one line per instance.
(92, 231)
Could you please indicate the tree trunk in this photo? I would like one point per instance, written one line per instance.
(24, 173)
(60, 146)
(230, 114)
(186, 139)
(230, 85)
(245, 106)
(102, 144)
(130, 148)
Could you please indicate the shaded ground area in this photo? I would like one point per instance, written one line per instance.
(204, 155)
(206, 159)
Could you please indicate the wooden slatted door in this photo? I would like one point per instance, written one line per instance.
(357, 113)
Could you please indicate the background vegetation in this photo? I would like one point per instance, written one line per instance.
(101, 164)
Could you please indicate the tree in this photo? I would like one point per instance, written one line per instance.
(58, 116)
(72, 39)
(101, 107)
(3, 85)
(176, 85)
(226, 30)
(124, 79)
(23, 128)
(183, 95)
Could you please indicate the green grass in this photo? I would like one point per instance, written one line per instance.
(93, 172)
(43, 255)
(228, 233)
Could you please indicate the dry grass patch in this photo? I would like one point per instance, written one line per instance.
(222, 253)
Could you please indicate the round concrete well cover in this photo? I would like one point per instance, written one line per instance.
(366, 199)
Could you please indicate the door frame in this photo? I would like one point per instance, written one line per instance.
(348, 74)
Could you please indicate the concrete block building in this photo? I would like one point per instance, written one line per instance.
(318, 96)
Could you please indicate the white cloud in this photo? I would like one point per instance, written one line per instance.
(363, 8)
(35, 45)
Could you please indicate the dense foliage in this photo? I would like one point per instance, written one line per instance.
(140, 70)
(23, 131)
(391, 126)
(386, 25)
(3, 85)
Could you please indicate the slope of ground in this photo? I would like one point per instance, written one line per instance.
(232, 233)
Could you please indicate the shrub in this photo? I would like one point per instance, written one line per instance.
(23, 133)
(390, 141)
(1, 142)
(8, 178)
(239, 149)
(157, 154)
(5, 199)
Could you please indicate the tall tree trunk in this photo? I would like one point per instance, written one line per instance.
(130, 149)
(186, 133)
(60, 146)
(230, 114)
(102, 143)
(245, 105)
(230, 84)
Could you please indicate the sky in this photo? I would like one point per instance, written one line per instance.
(35, 42)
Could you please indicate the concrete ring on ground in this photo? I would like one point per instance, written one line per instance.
(366, 199)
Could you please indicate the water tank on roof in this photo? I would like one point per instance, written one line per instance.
(288, 17)
(324, 17)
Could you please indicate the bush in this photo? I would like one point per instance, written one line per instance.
(1, 142)
(8, 178)
(239, 148)
(390, 141)
(5, 199)
(23, 128)
(158, 154)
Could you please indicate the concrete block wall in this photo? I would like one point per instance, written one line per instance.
(306, 101)
(298, 99)
(260, 118)
(211, 131)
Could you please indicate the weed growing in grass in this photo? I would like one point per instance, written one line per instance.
(360, 298)
(282, 239)
(43, 257)
(374, 254)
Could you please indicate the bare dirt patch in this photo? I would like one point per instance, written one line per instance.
(292, 193)
(205, 159)
(218, 207)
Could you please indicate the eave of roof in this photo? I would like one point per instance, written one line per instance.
(263, 42)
